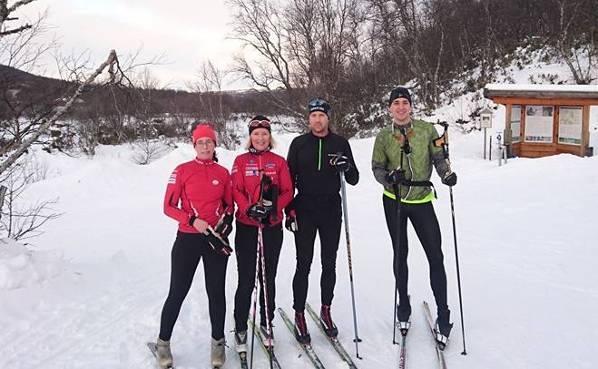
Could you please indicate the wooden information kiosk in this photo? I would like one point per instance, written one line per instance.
(543, 120)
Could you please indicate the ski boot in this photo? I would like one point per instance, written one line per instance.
(301, 333)
(443, 328)
(403, 314)
(217, 353)
(267, 337)
(164, 354)
(404, 327)
(327, 323)
(241, 341)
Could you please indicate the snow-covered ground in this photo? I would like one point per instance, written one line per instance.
(88, 293)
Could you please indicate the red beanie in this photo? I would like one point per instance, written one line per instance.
(204, 129)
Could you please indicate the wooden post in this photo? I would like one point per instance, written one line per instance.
(485, 139)
(508, 133)
(585, 130)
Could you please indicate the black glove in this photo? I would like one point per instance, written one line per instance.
(218, 243)
(225, 225)
(450, 179)
(290, 222)
(258, 212)
(395, 176)
(340, 162)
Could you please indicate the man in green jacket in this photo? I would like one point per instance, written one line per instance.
(402, 162)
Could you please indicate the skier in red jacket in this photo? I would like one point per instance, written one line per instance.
(199, 198)
(261, 189)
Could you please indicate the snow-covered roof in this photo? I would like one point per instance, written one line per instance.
(530, 87)
(541, 91)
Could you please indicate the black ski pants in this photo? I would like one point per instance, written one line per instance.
(187, 251)
(246, 251)
(323, 215)
(424, 221)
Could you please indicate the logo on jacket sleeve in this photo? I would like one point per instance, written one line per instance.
(215, 182)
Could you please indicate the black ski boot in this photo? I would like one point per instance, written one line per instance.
(327, 323)
(443, 328)
(404, 327)
(403, 314)
(301, 333)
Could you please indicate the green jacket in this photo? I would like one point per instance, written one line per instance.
(417, 165)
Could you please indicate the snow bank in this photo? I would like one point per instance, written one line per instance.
(21, 267)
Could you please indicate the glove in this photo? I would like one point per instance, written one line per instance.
(258, 212)
(395, 176)
(218, 243)
(450, 179)
(225, 225)
(340, 162)
(290, 222)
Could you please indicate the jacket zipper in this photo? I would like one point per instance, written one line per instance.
(320, 155)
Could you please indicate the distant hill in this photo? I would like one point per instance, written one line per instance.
(19, 76)
(28, 88)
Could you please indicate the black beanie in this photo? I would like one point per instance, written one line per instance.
(259, 118)
(399, 92)
(319, 104)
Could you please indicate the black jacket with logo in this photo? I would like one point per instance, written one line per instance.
(309, 163)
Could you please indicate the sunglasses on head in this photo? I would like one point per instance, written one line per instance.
(259, 124)
(315, 103)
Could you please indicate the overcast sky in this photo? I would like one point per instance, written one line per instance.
(187, 32)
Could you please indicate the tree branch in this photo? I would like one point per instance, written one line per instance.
(57, 114)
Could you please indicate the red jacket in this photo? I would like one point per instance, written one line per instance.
(246, 182)
(200, 188)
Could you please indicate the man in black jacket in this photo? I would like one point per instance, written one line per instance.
(315, 160)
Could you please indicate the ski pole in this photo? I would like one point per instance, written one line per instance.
(394, 314)
(264, 294)
(397, 189)
(458, 271)
(264, 180)
(257, 268)
(348, 239)
(255, 286)
(445, 149)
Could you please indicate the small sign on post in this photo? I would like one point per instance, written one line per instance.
(485, 123)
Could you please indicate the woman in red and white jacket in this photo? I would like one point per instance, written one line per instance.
(262, 188)
(199, 198)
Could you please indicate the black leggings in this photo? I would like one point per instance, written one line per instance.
(246, 251)
(187, 251)
(426, 227)
(316, 215)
